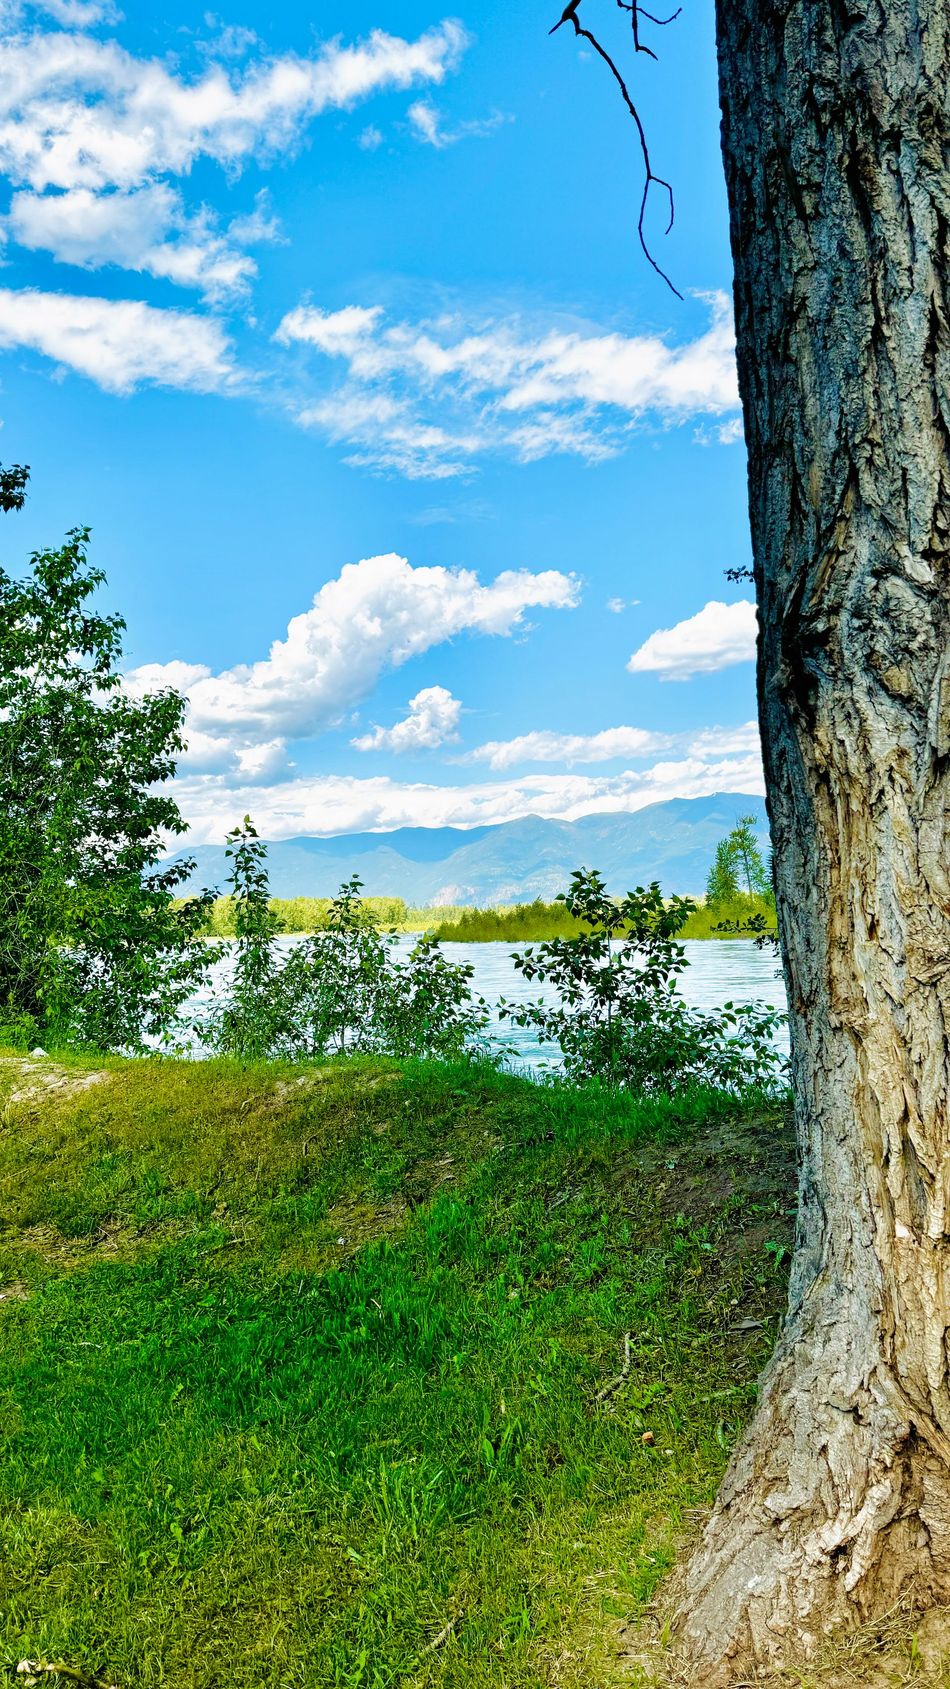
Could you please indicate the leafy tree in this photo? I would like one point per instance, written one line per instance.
(248, 1021)
(618, 1017)
(93, 946)
(747, 857)
(339, 991)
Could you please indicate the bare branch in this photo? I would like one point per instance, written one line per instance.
(569, 15)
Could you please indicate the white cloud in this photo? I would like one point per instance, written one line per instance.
(80, 113)
(369, 138)
(462, 390)
(145, 229)
(81, 14)
(118, 343)
(432, 720)
(613, 743)
(718, 636)
(426, 124)
(571, 748)
(616, 606)
(339, 334)
(343, 804)
(375, 616)
(727, 741)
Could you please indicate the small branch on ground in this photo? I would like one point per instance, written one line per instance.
(614, 1384)
(443, 1637)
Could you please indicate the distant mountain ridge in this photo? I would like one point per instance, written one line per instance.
(511, 862)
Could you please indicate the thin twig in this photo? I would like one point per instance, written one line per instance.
(622, 1376)
(443, 1637)
(569, 15)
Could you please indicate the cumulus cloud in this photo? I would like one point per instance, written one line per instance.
(431, 720)
(119, 343)
(343, 803)
(718, 636)
(375, 616)
(145, 229)
(80, 113)
(460, 390)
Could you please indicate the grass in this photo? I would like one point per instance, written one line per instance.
(299, 1369)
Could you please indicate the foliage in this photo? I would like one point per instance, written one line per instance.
(722, 886)
(739, 917)
(247, 1022)
(310, 914)
(92, 946)
(303, 1369)
(518, 923)
(340, 990)
(618, 1018)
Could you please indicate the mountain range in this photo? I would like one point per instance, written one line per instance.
(512, 862)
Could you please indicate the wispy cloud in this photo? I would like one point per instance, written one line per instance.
(428, 398)
(431, 720)
(91, 134)
(120, 344)
(76, 112)
(572, 748)
(611, 744)
(426, 123)
(81, 14)
(715, 638)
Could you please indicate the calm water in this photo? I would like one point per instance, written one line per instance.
(720, 971)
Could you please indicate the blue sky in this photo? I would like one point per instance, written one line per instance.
(401, 461)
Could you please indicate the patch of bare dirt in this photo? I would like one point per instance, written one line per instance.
(37, 1080)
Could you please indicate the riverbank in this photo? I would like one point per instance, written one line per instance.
(318, 1375)
(513, 923)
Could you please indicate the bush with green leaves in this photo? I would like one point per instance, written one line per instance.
(618, 1017)
(94, 948)
(343, 990)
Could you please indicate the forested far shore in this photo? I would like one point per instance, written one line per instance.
(511, 923)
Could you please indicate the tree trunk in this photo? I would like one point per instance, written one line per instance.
(836, 136)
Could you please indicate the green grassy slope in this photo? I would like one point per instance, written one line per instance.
(302, 1373)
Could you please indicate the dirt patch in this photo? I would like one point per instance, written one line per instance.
(313, 1080)
(17, 1292)
(36, 1080)
(752, 1160)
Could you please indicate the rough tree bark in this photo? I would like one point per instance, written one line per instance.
(836, 136)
